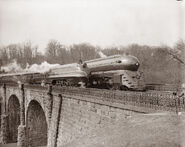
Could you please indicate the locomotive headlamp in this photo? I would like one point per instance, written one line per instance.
(137, 64)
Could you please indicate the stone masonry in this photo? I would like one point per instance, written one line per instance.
(53, 117)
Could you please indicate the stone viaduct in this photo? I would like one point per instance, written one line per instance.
(52, 116)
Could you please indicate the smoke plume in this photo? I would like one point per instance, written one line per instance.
(102, 55)
(14, 67)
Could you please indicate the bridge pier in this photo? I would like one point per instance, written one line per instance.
(4, 98)
(49, 102)
(4, 128)
(49, 105)
(4, 118)
(22, 106)
(21, 140)
(53, 129)
(21, 136)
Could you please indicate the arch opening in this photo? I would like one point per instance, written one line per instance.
(13, 118)
(36, 125)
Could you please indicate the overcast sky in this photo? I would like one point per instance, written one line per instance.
(99, 22)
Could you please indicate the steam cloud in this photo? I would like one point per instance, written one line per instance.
(14, 67)
(42, 68)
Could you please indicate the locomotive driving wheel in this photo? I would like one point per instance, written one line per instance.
(123, 87)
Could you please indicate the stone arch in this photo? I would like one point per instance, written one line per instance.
(37, 126)
(13, 118)
(42, 102)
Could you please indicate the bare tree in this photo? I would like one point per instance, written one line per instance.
(83, 51)
(178, 52)
(51, 51)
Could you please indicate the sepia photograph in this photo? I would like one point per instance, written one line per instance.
(92, 73)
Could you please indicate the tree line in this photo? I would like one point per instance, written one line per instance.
(160, 64)
(55, 52)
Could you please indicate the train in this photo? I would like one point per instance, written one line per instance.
(118, 72)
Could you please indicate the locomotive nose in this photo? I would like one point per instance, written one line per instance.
(133, 63)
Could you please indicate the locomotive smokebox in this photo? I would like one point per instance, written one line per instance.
(116, 62)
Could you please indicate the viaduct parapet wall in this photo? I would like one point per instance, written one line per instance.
(50, 116)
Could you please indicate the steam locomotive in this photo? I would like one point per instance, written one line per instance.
(113, 72)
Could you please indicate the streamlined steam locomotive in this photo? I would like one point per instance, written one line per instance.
(113, 72)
